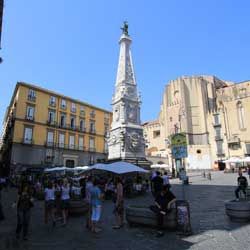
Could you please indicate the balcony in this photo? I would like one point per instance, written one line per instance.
(92, 131)
(63, 106)
(216, 124)
(31, 98)
(49, 144)
(233, 140)
(218, 138)
(52, 104)
(82, 129)
(82, 113)
(81, 148)
(62, 125)
(27, 141)
(29, 118)
(51, 123)
(220, 153)
(106, 120)
(92, 115)
(73, 109)
(92, 150)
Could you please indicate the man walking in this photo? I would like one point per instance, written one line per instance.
(242, 185)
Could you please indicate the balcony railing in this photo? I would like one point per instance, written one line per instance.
(234, 140)
(216, 124)
(73, 109)
(63, 106)
(92, 131)
(218, 138)
(220, 153)
(82, 129)
(81, 148)
(50, 144)
(31, 98)
(27, 141)
(82, 112)
(52, 104)
(92, 150)
(29, 118)
(52, 123)
(92, 114)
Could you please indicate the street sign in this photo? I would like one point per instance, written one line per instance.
(179, 152)
(179, 139)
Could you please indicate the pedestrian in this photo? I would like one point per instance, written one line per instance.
(89, 186)
(65, 197)
(163, 202)
(119, 204)
(248, 171)
(242, 185)
(24, 205)
(157, 184)
(165, 178)
(96, 205)
(50, 203)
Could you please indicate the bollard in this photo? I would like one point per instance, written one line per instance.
(204, 174)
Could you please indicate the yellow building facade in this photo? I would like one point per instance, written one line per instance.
(43, 127)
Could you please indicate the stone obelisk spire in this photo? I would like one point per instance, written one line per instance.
(126, 134)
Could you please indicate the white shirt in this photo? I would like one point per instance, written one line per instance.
(49, 194)
(165, 179)
(65, 193)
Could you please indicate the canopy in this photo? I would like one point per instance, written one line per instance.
(66, 169)
(246, 159)
(159, 166)
(119, 167)
(233, 160)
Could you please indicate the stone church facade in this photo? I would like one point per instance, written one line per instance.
(214, 115)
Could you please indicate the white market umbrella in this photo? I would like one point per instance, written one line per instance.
(233, 160)
(78, 168)
(159, 166)
(55, 169)
(246, 159)
(119, 167)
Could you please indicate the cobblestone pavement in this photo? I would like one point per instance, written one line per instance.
(212, 230)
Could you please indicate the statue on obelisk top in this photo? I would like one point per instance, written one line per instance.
(125, 28)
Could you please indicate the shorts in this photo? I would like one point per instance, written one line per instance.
(64, 204)
(96, 213)
(50, 204)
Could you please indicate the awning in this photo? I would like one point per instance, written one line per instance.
(119, 167)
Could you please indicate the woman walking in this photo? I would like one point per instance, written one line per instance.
(50, 203)
(65, 190)
(24, 204)
(119, 204)
(95, 194)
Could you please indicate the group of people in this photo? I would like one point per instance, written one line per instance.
(164, 198)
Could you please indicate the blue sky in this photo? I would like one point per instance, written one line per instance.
(71, 47)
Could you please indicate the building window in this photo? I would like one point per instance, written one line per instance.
(28, 135)
(51, 117)
(32, 95)
(106, 130)
(30, 113)
(81, 143)
(92, 145)
(106, 118)
(71, 141)
(50, 138)
(156, 133)
(72, 122)
(216, 119)
(61, 140)
(82, 110)
(247, 149)
(73, 107)
(92, 127)
(240, 111)
(92, 113)
(82, 125)
(217, 133)
(52, 101)
(63, 120)
(219, 146)
(63, 104)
